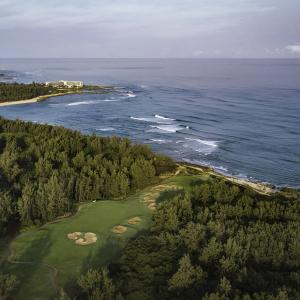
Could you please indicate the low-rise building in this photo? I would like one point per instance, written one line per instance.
(65, 83)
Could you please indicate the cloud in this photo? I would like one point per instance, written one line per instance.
(295, 49)
(143, 28)
(168, 17)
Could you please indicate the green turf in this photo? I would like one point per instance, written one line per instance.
(49, 245)
(186, 181)
(44, 259)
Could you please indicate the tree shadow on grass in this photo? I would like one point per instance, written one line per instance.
(30, 270)
(102, 257)
(168, 195)
(199, 181)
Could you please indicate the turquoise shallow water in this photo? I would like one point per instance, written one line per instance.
(240, 116)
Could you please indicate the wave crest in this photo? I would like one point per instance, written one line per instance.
(80, 103)
(91, 102)
(167, 128)
(202, 146)
(163, 118)
(156, 119)
(159, 141)
(105, 129)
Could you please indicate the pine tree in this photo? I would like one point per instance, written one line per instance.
(187, 275)
(97, 285)
(26, 204)
(57, 200)
(7, 210)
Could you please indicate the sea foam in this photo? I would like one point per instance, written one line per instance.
(130, 94)
(218, 168)
(156, 119)
(80, 103)
(164, 118)
(159, 141)
(105, 129)
(91, 102)
(199, 145)
(172, 128)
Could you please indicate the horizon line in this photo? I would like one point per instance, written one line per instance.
(196, 58)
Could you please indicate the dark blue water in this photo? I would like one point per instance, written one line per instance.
(240, 116)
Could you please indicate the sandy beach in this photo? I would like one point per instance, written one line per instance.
(34, 100)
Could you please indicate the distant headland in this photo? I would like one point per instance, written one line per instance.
(21, 93)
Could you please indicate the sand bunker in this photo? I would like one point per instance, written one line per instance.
(160, 188)
(90, 235)
(89, 238)
(152, 206)
(80, 239)
(174, 187)
(134, 221)
(74, 235)
(149, 199)
(169, 187)
(119, 229)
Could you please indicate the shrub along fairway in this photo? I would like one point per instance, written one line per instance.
(45, 260)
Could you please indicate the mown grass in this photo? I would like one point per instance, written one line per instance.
(45, 260)
(50, 245)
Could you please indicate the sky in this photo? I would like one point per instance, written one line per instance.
(150, 28)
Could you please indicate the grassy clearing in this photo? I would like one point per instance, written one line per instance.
(44, 259)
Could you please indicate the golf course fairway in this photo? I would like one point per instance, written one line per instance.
(45, 260)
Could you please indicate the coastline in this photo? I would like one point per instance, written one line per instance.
(261, 188)
(36, 99)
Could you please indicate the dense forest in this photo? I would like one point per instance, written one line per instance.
(22, 91)
(216, 242)
(46, 171)
(213, 241)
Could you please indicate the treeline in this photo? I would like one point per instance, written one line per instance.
(21, 91)
(217, 242)
(45, 171)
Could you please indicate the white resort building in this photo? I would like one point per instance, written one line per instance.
(65, 83)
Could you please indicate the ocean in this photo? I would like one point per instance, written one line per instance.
(240, 116)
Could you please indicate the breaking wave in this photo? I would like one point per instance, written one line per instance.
(91, 102)
(144, 119)
(156, 119)
(167, 128)
(159, 141)
(213, 144)
(218, 168)
(130, 95)
(105, 129)
(202, 146)
(163, 118)
(81, 103)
